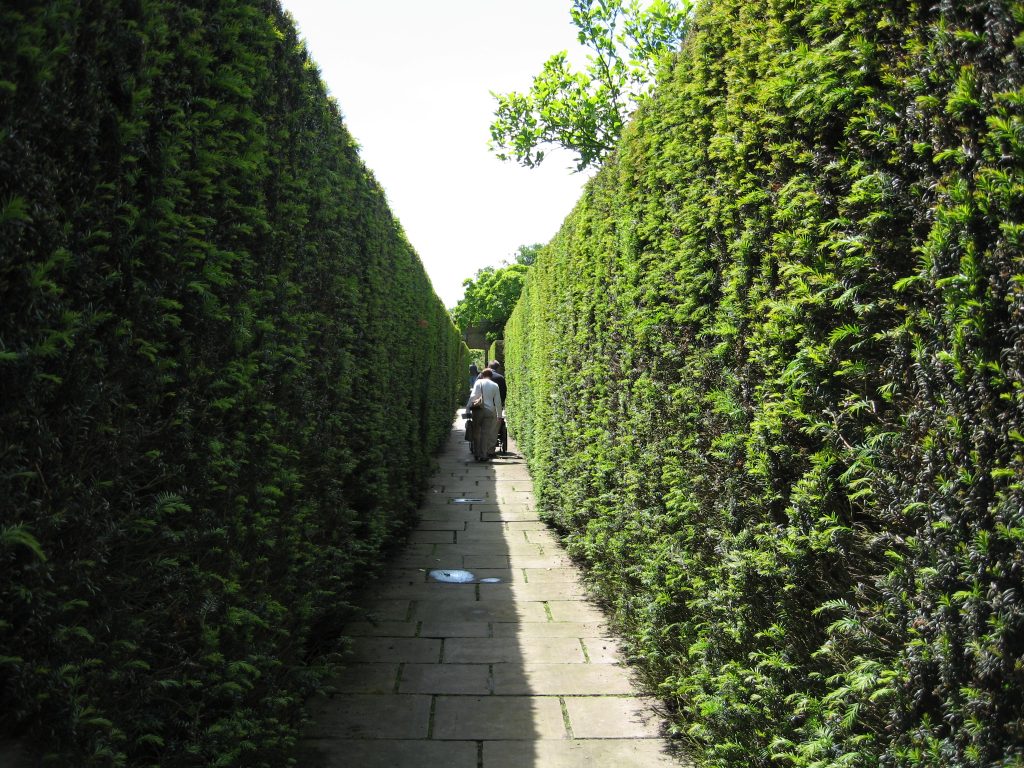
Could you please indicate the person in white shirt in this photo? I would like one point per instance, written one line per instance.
(485, 416)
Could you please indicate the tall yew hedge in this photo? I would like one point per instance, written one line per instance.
(770, 377)
(223, 371)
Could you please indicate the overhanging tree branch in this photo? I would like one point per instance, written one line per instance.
(584, 112)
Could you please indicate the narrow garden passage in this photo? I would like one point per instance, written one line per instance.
(515, 669)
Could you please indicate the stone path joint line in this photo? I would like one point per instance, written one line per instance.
(512, 669)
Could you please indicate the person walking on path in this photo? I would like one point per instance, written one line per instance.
(499, 378)
(485, 405)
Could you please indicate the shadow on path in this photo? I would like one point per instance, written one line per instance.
(512, 669)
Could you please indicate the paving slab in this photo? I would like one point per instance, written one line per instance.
(508, 514)
(442, 524)
(371, 716)
(429, 590)
(498, 717)
(611, 717)
(492, 611)
(507, 482)
(420, 548)
(396, 649)
(544, 591)
(498, 536)
(534, 524)
(574, 610)
(553, 560)
(561, 679)
(474, 562)
(545, 538)
(494, 527)
(494, 650)
(506, 548)
(446, 629)
(562, 575)
(487, 532)
(381, 629)
(513, 498)
(494, 506)
(431, 537)
(389, 610)
(602, 650)
(579, 753)
(365, 678)
(445, 678)
(447, 514)
(584, 630)
(426, 562)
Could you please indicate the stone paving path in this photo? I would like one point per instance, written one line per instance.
(518, 672)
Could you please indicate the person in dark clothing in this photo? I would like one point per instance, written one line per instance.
(473, 373)
(499, 378)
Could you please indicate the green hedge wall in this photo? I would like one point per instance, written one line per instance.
(223, 374)
(496, 351)
(770, 379)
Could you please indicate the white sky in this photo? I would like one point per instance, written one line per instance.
(413, 81)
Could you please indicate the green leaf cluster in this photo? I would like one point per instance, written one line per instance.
(584, 112)
(222, 375)
(770, 380)
(490, 297)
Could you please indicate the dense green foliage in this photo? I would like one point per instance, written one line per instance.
(496, 351)
(584, 112)
(491, 295)
(770, 380)
(205, 304)
(527, 254)
(489, 298)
